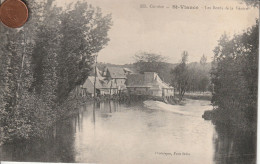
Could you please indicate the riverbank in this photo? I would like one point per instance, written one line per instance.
(224, 117)
(198, 96)
(126, 98)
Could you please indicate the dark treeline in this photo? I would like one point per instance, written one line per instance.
(234, 76)
(43, 62)
(199, 76)
(192, 77)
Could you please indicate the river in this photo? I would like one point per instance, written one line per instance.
(139, 132)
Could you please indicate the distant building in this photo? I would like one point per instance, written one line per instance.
(148, 83)
(98, 73)
(88, 86)
(116, 76)
(108, 82)
(103, 87)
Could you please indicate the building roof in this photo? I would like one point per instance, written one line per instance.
(135, 80)
(116, 72)
(99, 83)
(127, 70)
(161, 83)
(92, 73)
(151, 80)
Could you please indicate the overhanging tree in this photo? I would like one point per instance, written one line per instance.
(234, 75)
(83, 33)
(53, 49)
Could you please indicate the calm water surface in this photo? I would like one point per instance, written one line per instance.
(143, 132)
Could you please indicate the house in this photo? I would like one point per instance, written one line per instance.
(112, 87)
(98, 73)
(148, 83)
(103, 87)
(116, 76)
(108, 82)
(88, 86)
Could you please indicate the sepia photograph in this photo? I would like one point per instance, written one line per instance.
(129, 82)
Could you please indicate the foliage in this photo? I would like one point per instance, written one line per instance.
(190, 77)
(80, 40)
(203, 60)
(199, 77)
(150, 62)
(42, 63)
(181, 76)
(234, 76)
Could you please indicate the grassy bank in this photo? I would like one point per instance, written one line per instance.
(198, 96)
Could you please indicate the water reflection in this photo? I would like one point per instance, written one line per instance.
(131, 132)
(234, 146)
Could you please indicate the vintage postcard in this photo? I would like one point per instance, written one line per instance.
(133, 81)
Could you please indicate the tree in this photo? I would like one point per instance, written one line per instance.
(181, 76)
(43, 62)
(86, 36)
(203, 60)
(199, 77)
(149, 62)
(234, 75)
(203, 83)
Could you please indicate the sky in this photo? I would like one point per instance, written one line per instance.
(168, 31)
